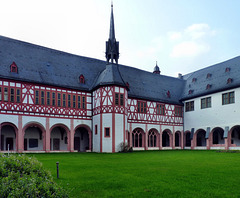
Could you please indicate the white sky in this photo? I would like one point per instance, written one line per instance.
(182, 35)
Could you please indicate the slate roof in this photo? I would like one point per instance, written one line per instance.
(217, 80)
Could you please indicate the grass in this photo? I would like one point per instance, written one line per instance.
(147, 174)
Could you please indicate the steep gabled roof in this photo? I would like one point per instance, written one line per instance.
(212, 79)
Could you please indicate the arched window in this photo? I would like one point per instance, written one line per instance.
(152, 138)
(13, 68)
(137, 138)
(82, 79)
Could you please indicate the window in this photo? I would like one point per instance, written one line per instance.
(74, 101)
(178, 111)
(83, 102)
(190, 91)
(48, 98)
(121, 100)
(53, 98)
(205, 102)
(59, 100)
(95, 129)
(69, 101)
(229, 80)
(194, 79)
(37, 97)
(64, 100)
(79, 102)
(209, 75)
(18, 97)
(12, 95)
(228, 98)
(116, 99)
(189, 106)
(208, 86)
(142, 107)
(227, 69)
(107, 132)
(160, 109)
(0, 93)
(168, 94)
(82, 79)
(42, 97)
(13, 68)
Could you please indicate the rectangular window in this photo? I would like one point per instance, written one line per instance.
(59, 100)
(48, 98)
(53, 98)
(79, 102)
(189, 106)
(64, 100)
(42, 97)
(0, 93)
(18, 95)
(121, 100)
(116, 99)
(142, 107)
(228, 98)
(206, 103)
(95, 129)
(12, 95)
(160, 109)
(37, 97)
(107, 132)
(178, 111)
(6, 94)
(83, 102)
(69, 101)
(74, 101)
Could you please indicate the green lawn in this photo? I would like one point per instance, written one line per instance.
(147, 174)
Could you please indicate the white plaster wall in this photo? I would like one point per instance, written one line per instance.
(119, 131)
(138, 125)
(33, 133)
(85, 122)
(96, 138)
(9, 118)
(107, 142)
(53, 121)
(217, 116)
(30, 119)
(164, 127)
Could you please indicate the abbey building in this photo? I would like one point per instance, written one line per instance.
(52, 101)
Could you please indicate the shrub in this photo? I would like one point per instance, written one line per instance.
(125, 148)
(22, 176)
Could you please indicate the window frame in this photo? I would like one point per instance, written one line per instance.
(228, 98)
(189, 106)
(160, 109)
(205, 102)
(142, 106)
(105, 132)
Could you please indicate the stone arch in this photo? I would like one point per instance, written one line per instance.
(234, 136)
(167, 138)
(187, 139)
(153, 138)
(59, 138)
(177, 139)
(199, 138)
(138, 138)
(34, 135)
(8, 136)
(216, 136)
(82, 138)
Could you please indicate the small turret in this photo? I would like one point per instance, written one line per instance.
(156, 69)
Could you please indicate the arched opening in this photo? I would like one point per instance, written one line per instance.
(59, 139)
(177, 139)
(138, 138)
(8, 138)
(235, 135)
(33, 139)
(217, 136)
(188, 139)
(153, 138)
(201, 140)
(81, 139)
(166, 138)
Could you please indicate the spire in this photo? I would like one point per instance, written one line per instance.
(112, 46)
(156, 69)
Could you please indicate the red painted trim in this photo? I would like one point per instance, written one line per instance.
(101, 135)
(113, 132)
(20, 147)
(105, 132)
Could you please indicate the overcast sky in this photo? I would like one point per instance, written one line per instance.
(181, 35)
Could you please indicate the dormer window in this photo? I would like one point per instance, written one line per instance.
(168, 94)
(209, 75)
(82, 79)
(13, 68)
(127, 84)
(190, 91)
(208, 86)
(230, 80)
(227, 69)
(194, 79)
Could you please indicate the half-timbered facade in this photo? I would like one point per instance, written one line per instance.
(52, 101)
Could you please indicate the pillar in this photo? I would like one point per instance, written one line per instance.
(47, 136)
